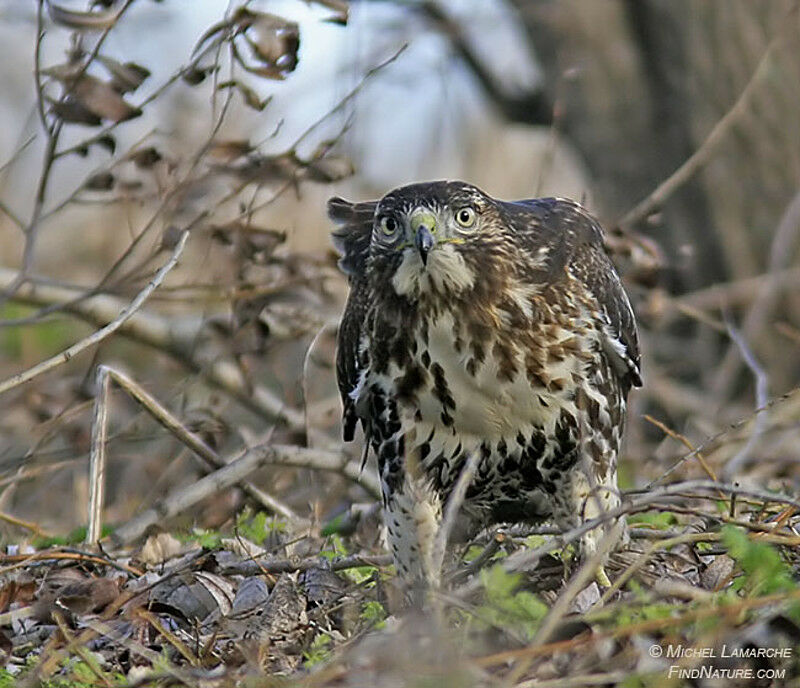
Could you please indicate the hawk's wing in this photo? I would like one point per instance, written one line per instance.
(352, 240)
(576, 241)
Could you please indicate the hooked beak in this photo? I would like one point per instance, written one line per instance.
(423, 224)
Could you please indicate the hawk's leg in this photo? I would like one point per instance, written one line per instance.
(413, 516)
(586, 493)
(593, 498)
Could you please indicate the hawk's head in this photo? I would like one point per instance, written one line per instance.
(430, 237)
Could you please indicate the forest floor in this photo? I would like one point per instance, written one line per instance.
(706, 589)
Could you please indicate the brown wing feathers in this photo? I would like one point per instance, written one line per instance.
(582, 240)
(352, 240)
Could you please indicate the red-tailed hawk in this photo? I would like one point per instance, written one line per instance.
(478, 325)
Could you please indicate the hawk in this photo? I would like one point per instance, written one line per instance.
(479, 325)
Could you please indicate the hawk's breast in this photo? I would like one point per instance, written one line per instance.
(488, 387)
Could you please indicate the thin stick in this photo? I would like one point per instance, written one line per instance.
(641, 560)
(173, 337)
(21, 523)
(193, 441)
(454, 502)
(731, 428)
(233, 472)
(578, 582)
(101, 334)
(762, 392)
(758, 317)
(273, 565)
(684, 441)
(97, 458)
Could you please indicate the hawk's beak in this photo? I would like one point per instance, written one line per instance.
(423, 225)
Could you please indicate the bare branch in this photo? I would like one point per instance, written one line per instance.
(173, 425)
(174, 336)
(454, 502)
(236, 470)
(99, 335)
(762, 390)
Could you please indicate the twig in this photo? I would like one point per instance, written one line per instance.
(274, 565)
(348, 96)
(97, 627)
(606, 679)
(576, 584)
(173, 425)
(304, 382)
(101, 334)
(78, 648)
(642, 559)
(525, 559)
(15, 561)
(174, 337)
(171, 638)
(97, 457)
(684, 441)
(733, 609)
(53, 132)
(482, 559)
(758, 317)
(731, 428)
(21, 523)
(762, 390)
(529, 107)
(738, 292)
(454, 502)
(235, 471)
(721, 129)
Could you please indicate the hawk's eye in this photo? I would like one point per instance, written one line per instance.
(465, 217)
(389, 225)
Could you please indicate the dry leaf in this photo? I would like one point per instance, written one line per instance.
(82, 21)
(145, 158)
(70, 110)
(97, 97)
(242, 547)
(103, 100)
(93, 595)
(340, 11)
(275, 42)
(717, 573)
(230, 150)
(124, 77)
(196, 75)
(191, 598)
(158, 548)
(250, 96)
(102, 181)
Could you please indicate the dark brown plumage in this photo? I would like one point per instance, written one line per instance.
(477, 325)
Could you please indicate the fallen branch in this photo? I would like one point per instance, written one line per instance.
(235, 471)
(175, 337)
(101, 334)
(257, 566)
(97, 459)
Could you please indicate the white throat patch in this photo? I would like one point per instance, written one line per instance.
(446, 271)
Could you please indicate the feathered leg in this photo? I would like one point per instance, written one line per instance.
(413, 515)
